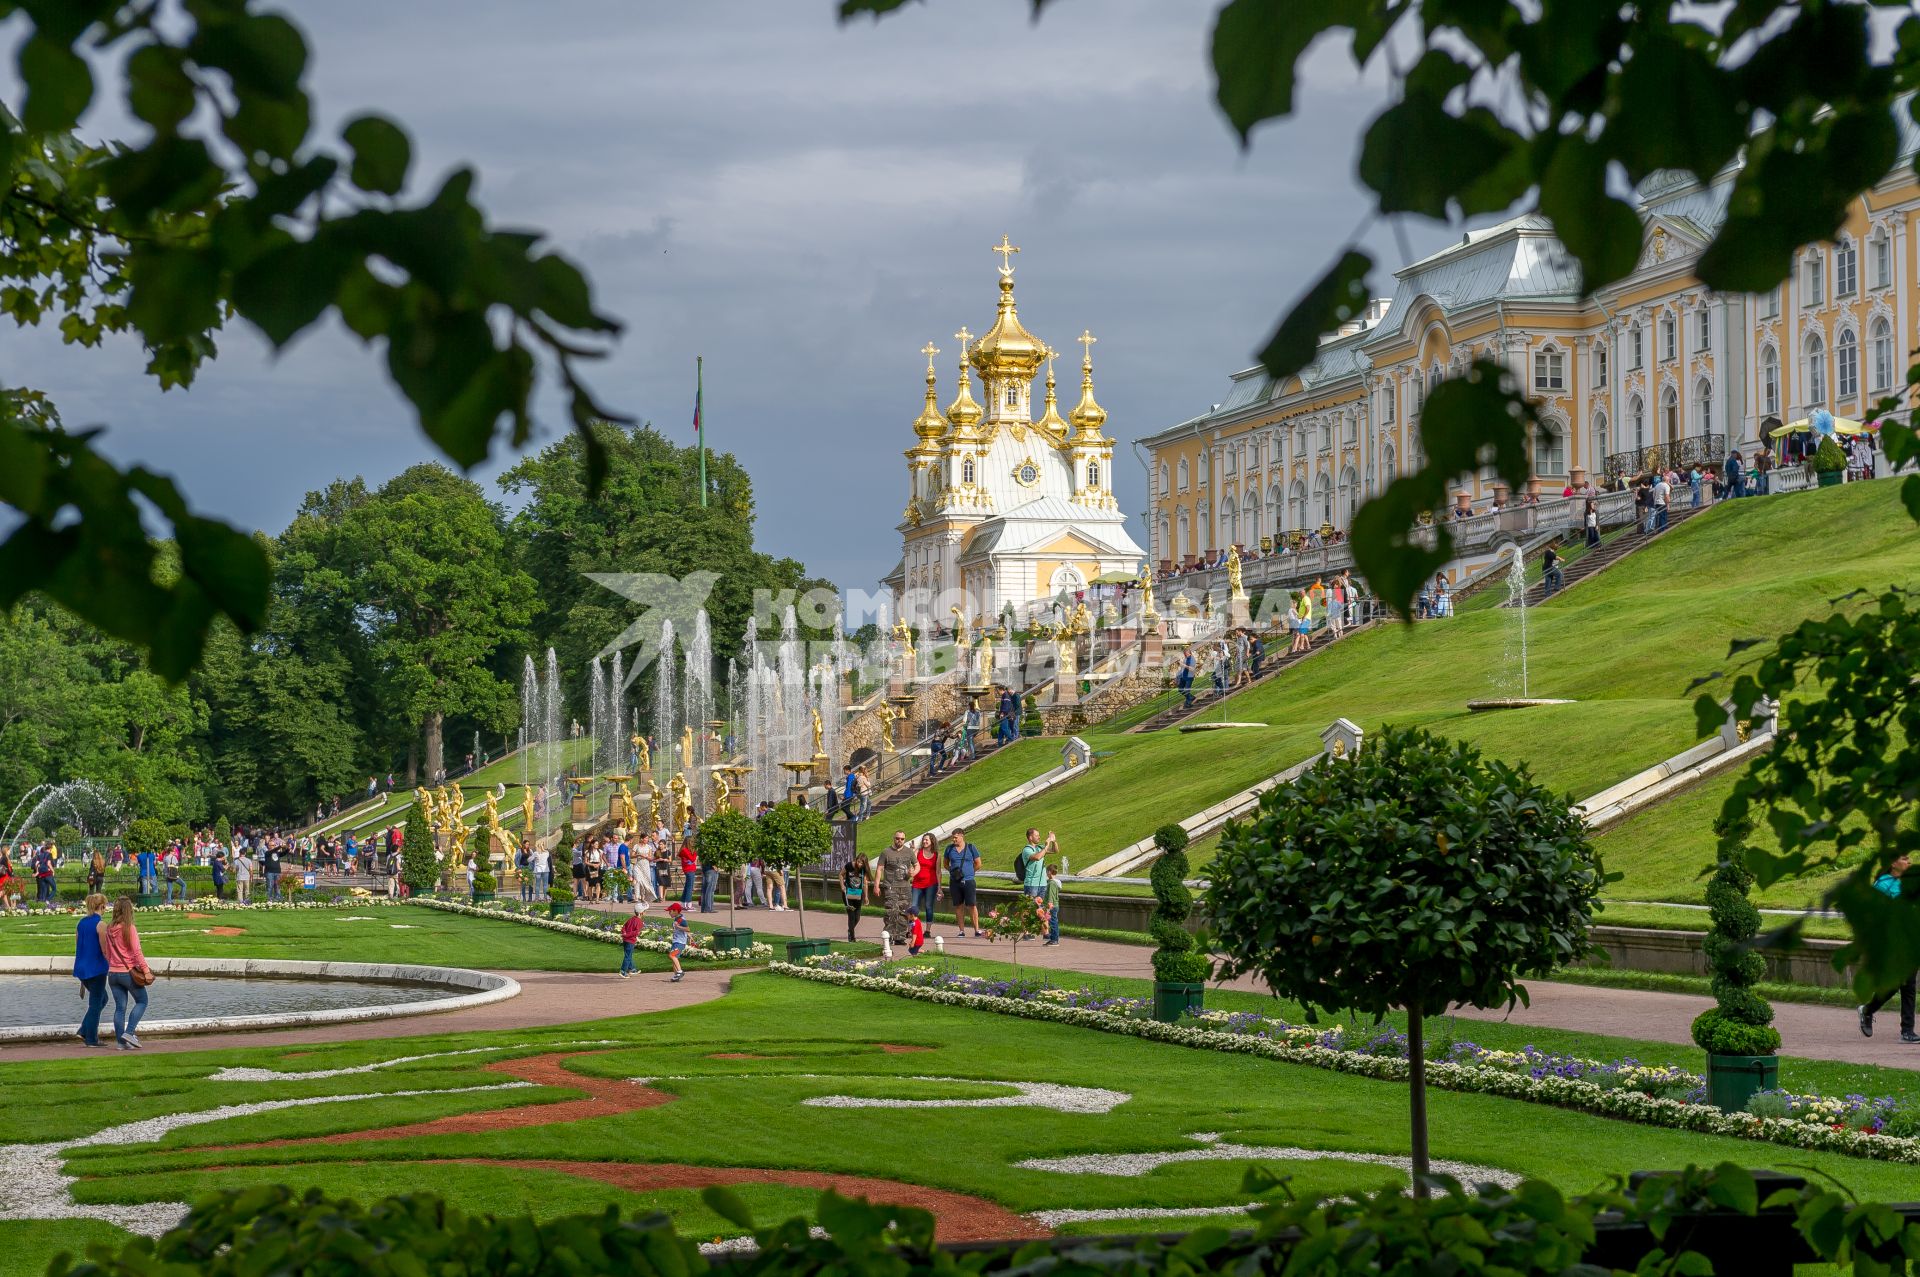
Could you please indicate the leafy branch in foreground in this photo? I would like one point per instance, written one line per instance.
(232, 210)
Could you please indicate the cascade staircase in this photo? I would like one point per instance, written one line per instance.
(1610, 552)
(1205, 698)
(922, 782)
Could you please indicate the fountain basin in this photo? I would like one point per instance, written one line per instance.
(215, 995)
(1513, 702)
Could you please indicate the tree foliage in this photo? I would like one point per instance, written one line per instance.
(232, 209)
(418, 867)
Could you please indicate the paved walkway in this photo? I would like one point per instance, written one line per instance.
(1807, 1031)
(546, 998)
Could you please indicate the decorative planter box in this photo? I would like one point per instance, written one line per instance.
(1172, 1001)
(798, 951)
(733, 939)
(558, 908)
(480, 897)
(1732, 1080)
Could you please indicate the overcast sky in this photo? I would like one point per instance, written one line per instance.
(805, 204)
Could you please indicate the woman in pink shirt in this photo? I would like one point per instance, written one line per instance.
(122, 945)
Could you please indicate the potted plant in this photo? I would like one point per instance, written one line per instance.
(1737, 1034)
(725, 840)
(791, 838)
(559, 901)
(1829, 463)
(483, 885)
(143, 835)
(418, 865)
(1410, 875)
(1180, 967)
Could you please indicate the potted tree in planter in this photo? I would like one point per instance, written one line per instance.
(1737, 1034)
(1829, 463)
(418, 868)
(1409, 875)
(559, 901)
(1180, 966)
(791, 837)
(725, 840)
(145, 834)
(483, 885)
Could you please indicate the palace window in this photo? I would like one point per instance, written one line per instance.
(1670, 414)
(1703, 338)
(1012, 397)
(966, 470)
(1386, 402)
(1880, 259)
(1636, 346)
(1184, 473)
(1769, 380)
(1881, 338)
(1770, 303)
(1600, 365)
(1816, 380)
(1703, 405)
(1813, 279)
(1600, 433)
(1326, 436)
(1669, 339)
(1352, 432)
(1846, 367)
(1549, 369)
(1093, 474)
(1163, 478)
(1232, 459)
(1637, 418)
(1549, 450)
(1846, 269)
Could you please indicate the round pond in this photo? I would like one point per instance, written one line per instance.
(51, 999)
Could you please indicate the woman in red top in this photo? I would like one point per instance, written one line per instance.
(121, 942)
(926, 878)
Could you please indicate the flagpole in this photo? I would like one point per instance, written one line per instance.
(699, 422)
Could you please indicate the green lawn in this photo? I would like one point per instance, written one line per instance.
(813, 1042)
(379, 933)
(553, 758)
(1624, 645)
(1006, 768)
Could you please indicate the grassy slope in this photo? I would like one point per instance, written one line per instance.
(507, 770)
(748, 1113)
(1004, 769)
(1625, 645)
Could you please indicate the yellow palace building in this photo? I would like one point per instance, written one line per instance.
(1654, 370)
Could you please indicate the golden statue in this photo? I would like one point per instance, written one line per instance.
(424, 801)
(1233, 574)
(721, 791)
(626, 799)
(1064, 645)
(459, 800)
(959, 627)
(1082, 621)
(643, 757)
(818, 752)
(681, 808)
(686, 746)
(985, 647)
(888, 715)
(903, 635)
(492, 824)
(491, 819)
(437, 810)
(653, 811)
(526, 810)
(1147, 614)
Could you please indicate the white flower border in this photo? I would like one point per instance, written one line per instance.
(1587, 1097)
(757, 952)
(201, 904)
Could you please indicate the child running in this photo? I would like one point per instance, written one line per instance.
(630, 935)
(682, 937)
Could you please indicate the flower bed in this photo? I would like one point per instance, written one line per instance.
(201, 904)
(593, 927)
(1626, 1089)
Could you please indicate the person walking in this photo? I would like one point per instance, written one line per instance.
(1889, 884)
(1662, 495)
(855, 878)
(629, 936)
(863, 788)
(270, 868)
(96, 872)
(170, 871)
(90, 968)
(218, 863)
(1592, 520)
(926, 875)
(963, 863)
(243, 870)
(681, 938)
(1033, 863)
(128, 974)
(1050, 902)
(709, 882)
(1552, 579)
(1184, 680)
(689, 872)
(6, 881)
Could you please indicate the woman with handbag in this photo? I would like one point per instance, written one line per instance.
(128, 974)
(90, 968)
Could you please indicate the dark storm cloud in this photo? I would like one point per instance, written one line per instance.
(805, 205)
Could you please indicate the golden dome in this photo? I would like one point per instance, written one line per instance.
(963, 412)
(930, 426)
(1008, 350)
(1052, 422)
(1087, 416)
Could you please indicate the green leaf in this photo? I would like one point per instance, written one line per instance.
(1418, 156)
(169, 174)
(1257, 45)
(381, 154)
(728, 1205)
(1335, 298)
(262, 53)
(875, 9)
(59, 85)
(1910, 496)
(1602, 232)
(175, 293)
(158, 88)
(287, 288)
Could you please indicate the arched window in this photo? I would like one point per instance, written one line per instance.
(1881, 338)
(966, 470)
(1703, 332)
(1600, 364)
(1322, 501)
(1349, 496)
(1636, 346)
(1669, 340)
(1387, 471)
(1093, 474)
(1816, 376)
(1163, 476)
(1183, 538)
(1846, 367)
(1164, 549)
(1276, 513)
(1386, 402)
(1880, 259)
(1250, 517)
(1846, 269)
(1637, 422)
(1184, 474)
(1549, 450)
(1670, 414)
(1703, 405)
(1326, 434)
(1813, 278)
(1769, 379)
(1299, 502)
(1600, 436)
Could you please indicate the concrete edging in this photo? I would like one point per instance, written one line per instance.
(482, 987)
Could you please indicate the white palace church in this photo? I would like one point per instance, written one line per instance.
(1003, 510)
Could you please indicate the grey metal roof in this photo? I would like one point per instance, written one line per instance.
(1518, 258)
(1249, 387)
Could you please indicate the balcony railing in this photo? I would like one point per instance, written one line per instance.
(1701, 450)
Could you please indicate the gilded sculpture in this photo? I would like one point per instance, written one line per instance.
(682, 809)
(642, 756)
(721, 791)
(1233, 574)
(818, 733)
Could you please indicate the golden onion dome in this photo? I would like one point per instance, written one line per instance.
(930, 426)
(1052, 422)
(963, 412)
(1008, 350)
(1087, 415)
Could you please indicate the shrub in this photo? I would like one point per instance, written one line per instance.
(1413, 875)
(1016, 920)
(1742, 1023)
(726, 840)
(66, 837)
(1829, 458)
(418, 868)
(223, 832)
(38, 833)
(179, 831)
(1178, 960)
(1031, 724)
(143, 835)
(562, 895)
(483, 881)
(792, 838)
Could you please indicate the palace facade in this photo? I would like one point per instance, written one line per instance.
(1655, 369)
(1002, 509)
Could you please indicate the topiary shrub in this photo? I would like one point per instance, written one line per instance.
(1829, 458)
(1412, 875)
(726, 840)
(1031, 724)
(793, 838)
(223, 832)
(1178, 959)
(1742, 1023)
(483, 883)
(143, 835)
(418, 868)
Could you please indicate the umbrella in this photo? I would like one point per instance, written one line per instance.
(1116, 578)
(1839, 425)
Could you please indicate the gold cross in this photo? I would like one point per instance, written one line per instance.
(1051, 355)
(929, 350)
(1006, 250)
(963, 337)
(1086, 340)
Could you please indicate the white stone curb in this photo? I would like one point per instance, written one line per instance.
(481, 988)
